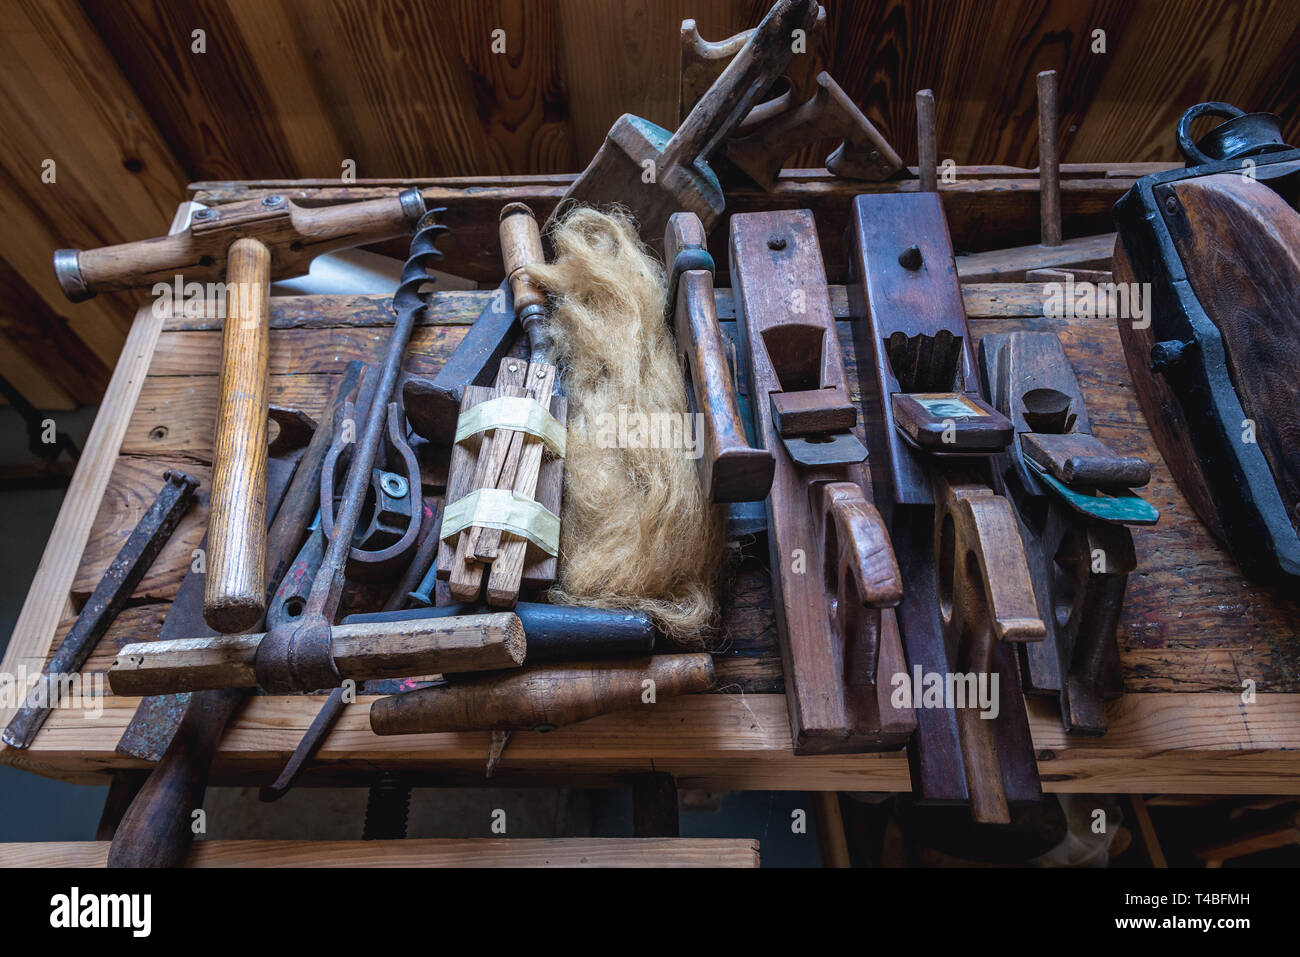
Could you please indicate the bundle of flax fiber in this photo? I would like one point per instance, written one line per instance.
(636, 530)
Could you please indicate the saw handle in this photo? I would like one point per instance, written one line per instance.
(730, 469)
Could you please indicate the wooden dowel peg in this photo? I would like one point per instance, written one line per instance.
(927, 142)
(1049, 159)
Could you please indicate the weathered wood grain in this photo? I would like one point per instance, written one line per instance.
(67, 102)
(1179, 743)
(428, 852)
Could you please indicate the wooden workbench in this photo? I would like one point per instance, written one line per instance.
(1193, 632)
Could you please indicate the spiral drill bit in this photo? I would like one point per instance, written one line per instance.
(296, 656)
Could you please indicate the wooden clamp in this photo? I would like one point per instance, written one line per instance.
(247, 244)
(809, 109)
(834, 576)
(507, 462)
(968, 594)
(1072, 499)
(730, 469)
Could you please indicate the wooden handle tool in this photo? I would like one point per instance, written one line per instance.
(731, 470)
(234, 590)
(508, 460)
(294, 234)
(248, 244)
(396, 649)
(839, 644)
(968, 601)
(542, 697)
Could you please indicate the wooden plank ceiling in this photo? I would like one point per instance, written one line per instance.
(117, 96)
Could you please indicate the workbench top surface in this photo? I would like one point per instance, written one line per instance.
(1194, 636)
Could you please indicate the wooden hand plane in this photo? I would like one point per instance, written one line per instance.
(1213, 356)
(968, 595)
(834, 577)
(1072, 497)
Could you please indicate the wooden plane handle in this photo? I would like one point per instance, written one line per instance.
(234, 593)
(748, 76)
(731, 470)
(860, 561)
(990, 598)
(864, 547)
(541, 697)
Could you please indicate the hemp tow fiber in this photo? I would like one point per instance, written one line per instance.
(635, 529)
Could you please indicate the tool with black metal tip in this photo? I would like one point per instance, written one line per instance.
(1073, 498)
(106, 601)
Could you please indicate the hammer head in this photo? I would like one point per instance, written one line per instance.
(627, 171)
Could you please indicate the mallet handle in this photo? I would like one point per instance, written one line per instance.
(234, 591)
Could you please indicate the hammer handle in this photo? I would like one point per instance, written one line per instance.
(234, 591)
(748, 76)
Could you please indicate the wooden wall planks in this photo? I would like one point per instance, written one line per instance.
(294, 88)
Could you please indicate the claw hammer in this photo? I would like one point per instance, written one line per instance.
(247, 244)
